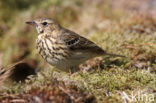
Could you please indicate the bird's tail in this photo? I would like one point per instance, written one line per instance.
(116, 55)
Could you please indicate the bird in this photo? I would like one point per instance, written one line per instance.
(63, 48)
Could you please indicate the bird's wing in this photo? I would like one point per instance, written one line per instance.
(79, 43)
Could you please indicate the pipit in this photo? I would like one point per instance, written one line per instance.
(63, 48)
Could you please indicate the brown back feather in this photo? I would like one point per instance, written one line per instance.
(77, 42)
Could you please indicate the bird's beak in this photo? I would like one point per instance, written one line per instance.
(30, 22)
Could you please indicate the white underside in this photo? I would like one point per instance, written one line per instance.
(74, 61)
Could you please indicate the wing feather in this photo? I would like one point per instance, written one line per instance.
(77, 42)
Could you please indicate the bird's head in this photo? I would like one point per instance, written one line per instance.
(44, 25)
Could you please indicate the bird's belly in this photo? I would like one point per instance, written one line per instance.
(62, 59)
(52, 57)
(64, 63)
(79, 57)
(56, 57)
(54, 60)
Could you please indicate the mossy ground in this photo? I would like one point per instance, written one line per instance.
(116, 27)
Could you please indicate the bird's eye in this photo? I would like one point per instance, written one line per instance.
(44, 23)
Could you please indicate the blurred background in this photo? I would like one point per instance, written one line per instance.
(126, 27)
(90, 18)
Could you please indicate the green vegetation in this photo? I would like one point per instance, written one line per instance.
(117, 28)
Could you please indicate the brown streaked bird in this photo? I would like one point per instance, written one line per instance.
(63, 48)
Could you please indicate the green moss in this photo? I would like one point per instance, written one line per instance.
(113, 30)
